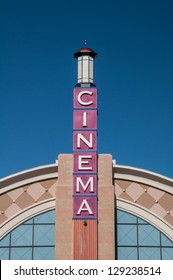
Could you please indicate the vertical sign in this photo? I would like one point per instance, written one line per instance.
(85, 153)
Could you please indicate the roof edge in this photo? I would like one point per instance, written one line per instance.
(28, 176)
(143, 176)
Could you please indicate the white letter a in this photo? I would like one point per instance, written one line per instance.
(84, 207)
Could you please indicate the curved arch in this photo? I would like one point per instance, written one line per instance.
(20, 199)
(143, 176)
(28, 176)
(26, 214)
(146, 215)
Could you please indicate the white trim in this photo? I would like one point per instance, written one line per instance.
(167, 186)
(28, 171)
(25, 215)
(125, 167)
(141, 212)
(28, 180)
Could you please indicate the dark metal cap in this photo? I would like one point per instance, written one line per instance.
(85, 51)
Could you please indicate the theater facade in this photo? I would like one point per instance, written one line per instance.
(85, 206)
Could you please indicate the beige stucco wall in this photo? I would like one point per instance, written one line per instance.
(142, 193)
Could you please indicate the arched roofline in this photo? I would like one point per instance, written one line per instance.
(119, 172)
(143, 176)
(28, 176)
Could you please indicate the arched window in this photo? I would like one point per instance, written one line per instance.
(136, 239)
(32, 240)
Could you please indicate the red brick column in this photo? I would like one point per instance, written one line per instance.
(85, 240)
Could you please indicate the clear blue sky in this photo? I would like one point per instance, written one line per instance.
(133, 72)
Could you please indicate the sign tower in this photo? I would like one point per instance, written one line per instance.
(85, 158)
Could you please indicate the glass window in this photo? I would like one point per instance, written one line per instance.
(149, 253)
(127, 235)
(141, 221)
(44, 234)
(4, 253)
(43, 253)
(29, 222)
(165, 241)
(5, 241)
(167, 253)
(48, 217)
(21, 253)
(148, 235)
(127, 253)
(34, 239)
(124, 217)
(138, 240)
(22, 235)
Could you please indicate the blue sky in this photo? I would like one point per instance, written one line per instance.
(133, 72)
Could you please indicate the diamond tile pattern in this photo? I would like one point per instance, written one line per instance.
(18, 199)
(156, 201)
(130, 190)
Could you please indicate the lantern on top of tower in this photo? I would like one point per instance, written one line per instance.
(85, 57)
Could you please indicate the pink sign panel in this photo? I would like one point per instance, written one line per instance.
(85, 158)
(85, 162)
(84, 140)
(85, 119)
(85, 97)
(84, 207)
(85, 184)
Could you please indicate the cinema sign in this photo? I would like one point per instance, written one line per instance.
(85, 153)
